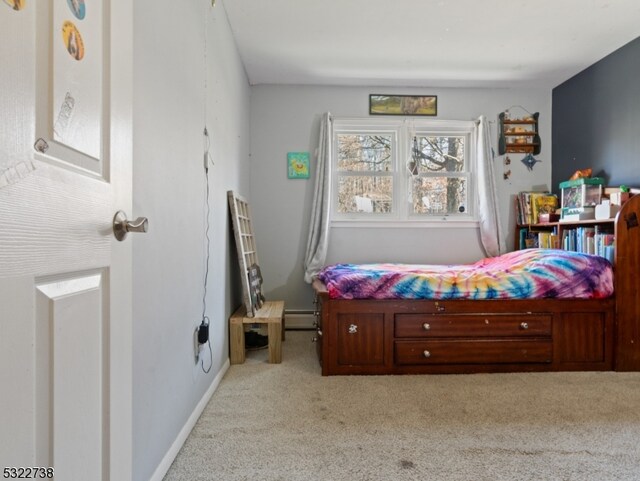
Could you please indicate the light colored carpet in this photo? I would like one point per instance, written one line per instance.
(286, 422)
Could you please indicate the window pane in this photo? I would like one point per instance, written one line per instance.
(364, 194)
(438, 154)
(440, 195)
(364, 152)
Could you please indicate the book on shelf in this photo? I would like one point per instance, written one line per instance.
(604, 243)
(543, 204)
(529, 238)
(531, 204)
(548, 240)
(589, 240)
(544, 240)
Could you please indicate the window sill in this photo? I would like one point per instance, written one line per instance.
(406, 224)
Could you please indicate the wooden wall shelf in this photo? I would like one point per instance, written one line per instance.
(518, 135)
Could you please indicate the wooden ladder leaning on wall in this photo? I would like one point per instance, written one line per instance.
(255, 309)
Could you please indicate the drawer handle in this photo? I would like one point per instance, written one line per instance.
(426, 326)
(426, 354)
(353, 329)
(524, 325)
(439, 308)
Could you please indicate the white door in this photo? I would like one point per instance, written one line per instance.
(65, 282)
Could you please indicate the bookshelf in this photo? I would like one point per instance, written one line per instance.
(588, 236)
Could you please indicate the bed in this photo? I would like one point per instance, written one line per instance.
(387, 319)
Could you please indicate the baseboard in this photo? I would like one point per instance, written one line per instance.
(173, 451)
(299, 319)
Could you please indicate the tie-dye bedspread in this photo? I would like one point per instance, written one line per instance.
(524, 274)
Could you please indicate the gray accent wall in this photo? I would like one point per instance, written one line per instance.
(286, 119)
(596, 120)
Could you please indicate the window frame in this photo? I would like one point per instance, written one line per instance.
(403, 130)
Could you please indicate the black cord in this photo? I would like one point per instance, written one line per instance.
(205, 319)
(206, 233)
(207, 159)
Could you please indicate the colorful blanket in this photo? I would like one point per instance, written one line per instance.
(524, 274)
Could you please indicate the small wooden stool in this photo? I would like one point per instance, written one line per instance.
(272, 314)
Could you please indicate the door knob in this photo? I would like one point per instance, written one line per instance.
(121, 226)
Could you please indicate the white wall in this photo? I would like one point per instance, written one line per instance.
(285, 118)
(169, 188)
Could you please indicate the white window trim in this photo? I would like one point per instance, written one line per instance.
(403, 130)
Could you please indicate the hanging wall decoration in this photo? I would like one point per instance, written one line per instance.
(529, 160)
(507, 171)
(298, 165)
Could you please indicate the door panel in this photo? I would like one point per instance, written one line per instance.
(65, 282)
(70, 314)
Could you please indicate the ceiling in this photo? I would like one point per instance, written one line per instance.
(434, 43)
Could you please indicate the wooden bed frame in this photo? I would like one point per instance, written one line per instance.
(369, 336)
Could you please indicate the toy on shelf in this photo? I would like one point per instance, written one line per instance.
(579, 198)
(620, 197)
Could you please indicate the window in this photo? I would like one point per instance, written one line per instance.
(365, 172)
(440, 175)
(403, 170)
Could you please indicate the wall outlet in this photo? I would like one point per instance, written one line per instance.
(200, 338)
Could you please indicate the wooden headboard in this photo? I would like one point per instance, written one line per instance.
(627, 286)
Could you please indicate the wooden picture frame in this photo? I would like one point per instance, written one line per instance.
(419, 105)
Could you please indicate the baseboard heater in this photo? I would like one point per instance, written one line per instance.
(299, 319)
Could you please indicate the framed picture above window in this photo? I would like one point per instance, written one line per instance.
(422, 105)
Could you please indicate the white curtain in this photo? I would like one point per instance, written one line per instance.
(318, 241)
(491, 233)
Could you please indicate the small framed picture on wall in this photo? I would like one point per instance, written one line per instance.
(298, 165)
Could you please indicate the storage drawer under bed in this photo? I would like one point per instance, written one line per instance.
(486, 351)
(472, 325)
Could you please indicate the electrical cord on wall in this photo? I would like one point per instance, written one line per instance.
(205, 320)
(203, 329)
